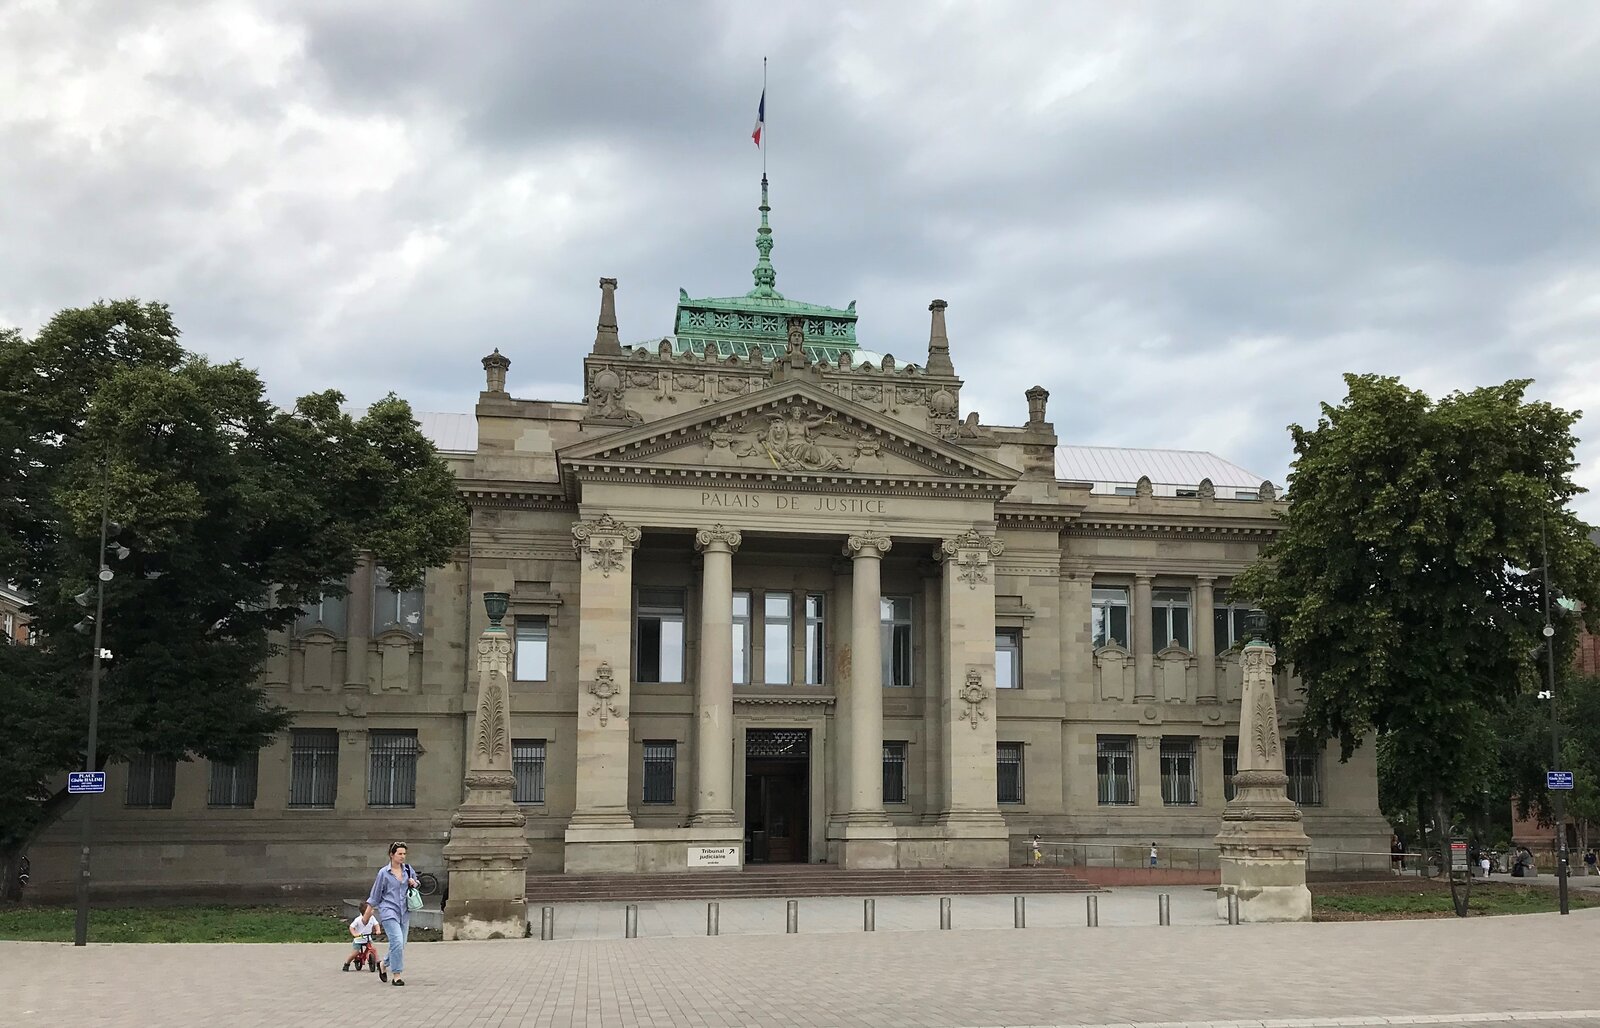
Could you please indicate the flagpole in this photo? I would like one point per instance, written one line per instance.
(763, 125)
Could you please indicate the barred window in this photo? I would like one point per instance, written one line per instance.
(1230, 765)
(660, 771)
(234, 784)
(313, 767)
(150, 781)
(1304, 771)
(533, 649)
(392, 771)
(1177, 773)
(1114, 769)
(894, 772)
(1008, 772)
(527, 767)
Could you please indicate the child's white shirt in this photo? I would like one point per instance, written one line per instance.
(363, 928)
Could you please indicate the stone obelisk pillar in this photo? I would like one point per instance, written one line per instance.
(487, 855)
(1262, 843)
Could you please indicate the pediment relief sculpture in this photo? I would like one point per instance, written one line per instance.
(797, 438)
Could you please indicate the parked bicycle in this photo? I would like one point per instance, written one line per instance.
(23, 870)
(427, 884)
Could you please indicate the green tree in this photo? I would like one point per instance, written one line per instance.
(1525, 752)
(1398, 586)
(236, 513)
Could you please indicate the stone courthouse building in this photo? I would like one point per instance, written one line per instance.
(773, 597)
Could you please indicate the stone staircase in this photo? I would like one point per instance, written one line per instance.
(798, 880)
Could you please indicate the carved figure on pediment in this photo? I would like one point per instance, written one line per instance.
(606, 397)
(967, 428)
(788, 442)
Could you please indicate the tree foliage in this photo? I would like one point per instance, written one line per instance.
(236, 514)
(1400, 586)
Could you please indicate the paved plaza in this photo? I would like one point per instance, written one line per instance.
(1532, 967)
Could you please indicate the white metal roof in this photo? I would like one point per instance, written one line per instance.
(1106, 468)
(450, 433)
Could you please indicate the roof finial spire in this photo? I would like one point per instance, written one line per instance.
(766, 277)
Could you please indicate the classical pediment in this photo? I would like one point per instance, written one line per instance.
(793, 430)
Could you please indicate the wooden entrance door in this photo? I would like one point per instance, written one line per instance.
(777, 796)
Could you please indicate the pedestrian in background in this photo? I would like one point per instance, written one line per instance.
(394, 896)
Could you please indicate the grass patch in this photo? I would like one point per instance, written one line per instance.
(1420, 899)
(180, 924)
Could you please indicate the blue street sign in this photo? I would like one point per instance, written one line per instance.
(1558, 779)
(95, 781)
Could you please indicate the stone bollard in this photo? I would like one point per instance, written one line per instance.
(1233, 908)
(1019, 911)
(944, 913)
(713, 918)
(792, 925)
(1164, 909)
(869, 915)
(630, 921)
(1092, 907)
(547, 923)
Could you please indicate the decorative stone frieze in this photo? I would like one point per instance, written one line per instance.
(606, 541)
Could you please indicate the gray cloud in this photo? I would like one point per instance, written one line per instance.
(1185, 222)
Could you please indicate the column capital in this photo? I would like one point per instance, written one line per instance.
(867, 545)
(1143, 578)
(606, 540)
(1206, 579)
(717, 539)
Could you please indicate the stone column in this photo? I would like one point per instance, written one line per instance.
(864, 837)
(842, 643)
(487, 855)
(931, 626)
(1205, 640)
(713, 696)
(1262, 843)
(599, 835)
(358, 626)
(1144, 660)
(975, 833)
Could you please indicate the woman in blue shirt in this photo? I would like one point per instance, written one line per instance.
(388, 898)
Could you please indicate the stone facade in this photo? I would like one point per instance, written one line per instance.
(757, 577)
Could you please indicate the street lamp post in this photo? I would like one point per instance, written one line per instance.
(80, 929)
(1559, 800)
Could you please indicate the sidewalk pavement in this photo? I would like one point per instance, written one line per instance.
(1443, 971)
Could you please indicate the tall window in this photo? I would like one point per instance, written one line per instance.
(392, 772)
(894, 772)
(150, 781)
(1178, 773)
(1169, 618)
(1304, 771)
(816, 652)
(1008, 772)
(327, 612)
(660, 771)
(1008, 658)
(1114, 769)
(1110, 620)
(741, 638)
(660, 636)
(533, 649)
(895, 619)
(777, 637)
(395, 608)
(234, 784)
(313, 767)
(527, 767)
(1230, 765)
(1227, 619)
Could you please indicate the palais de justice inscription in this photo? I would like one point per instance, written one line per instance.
(788, 503)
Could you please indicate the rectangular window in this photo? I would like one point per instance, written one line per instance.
(527, 767)
(1110, 622)
(895, 619)
(777, 637)
(1114, 769)
(392, 771)
(150, 782)
(1125, 490)
(1008, 658)
(1169, 618)
(660, 636)
(1304, 771)
(816, 653)
(1227, 620)
(234, 784)
(894, 772)
(327, 613)
(741, 638)
(1178, 773)
(660, 771)
(1008, 772)
(533, 649)
(313, 767)
(395, 608)
(1230, 765)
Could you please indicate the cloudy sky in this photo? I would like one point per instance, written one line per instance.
(1185, 220)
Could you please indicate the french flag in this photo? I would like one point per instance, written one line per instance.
(761, 119)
